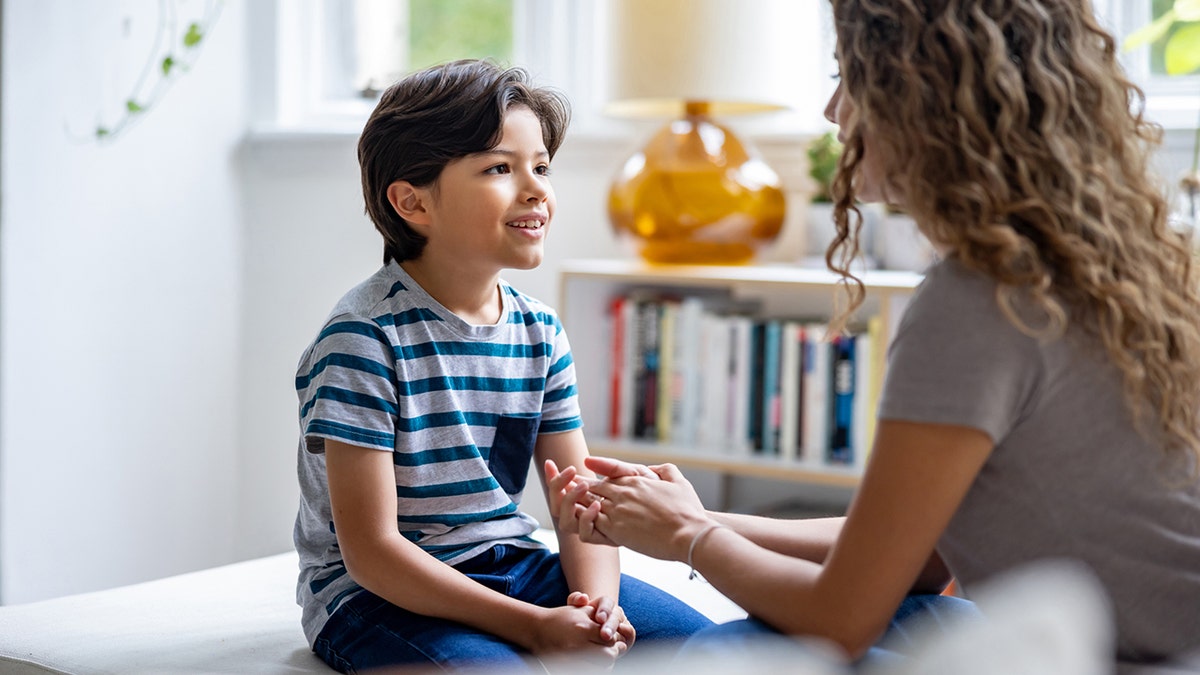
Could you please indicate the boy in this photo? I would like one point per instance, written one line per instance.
(431, 387)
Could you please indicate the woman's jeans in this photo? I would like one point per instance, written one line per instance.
(729, 642)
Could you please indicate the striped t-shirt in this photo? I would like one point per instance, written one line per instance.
(459, 407)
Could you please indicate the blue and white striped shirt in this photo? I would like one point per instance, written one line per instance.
(459, 407)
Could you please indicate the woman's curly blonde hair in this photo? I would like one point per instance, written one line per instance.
(1020, 148)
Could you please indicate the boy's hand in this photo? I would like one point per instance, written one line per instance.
(569, 502)
(573, 629)
(558, 484)
(606, 612)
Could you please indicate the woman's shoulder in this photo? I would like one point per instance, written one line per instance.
(952, 288)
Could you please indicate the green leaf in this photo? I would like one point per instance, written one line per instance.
(1182, 51)
(168, 62)
(101, 132)
(193, 36)
(1187, 10)
(1151, 32)
(133, 106)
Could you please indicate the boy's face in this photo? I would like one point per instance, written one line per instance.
(491, 210)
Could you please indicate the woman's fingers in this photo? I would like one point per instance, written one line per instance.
(615, 468)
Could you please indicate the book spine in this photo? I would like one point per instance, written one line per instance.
(758, 333)
(646, 410)
(739, 398)
(789, 389)
(814, 420)
(841, 420)
(772, 331)
(617, 374)
(864, 405)
(668, 376)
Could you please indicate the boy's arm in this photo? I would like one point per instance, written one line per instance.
(589, 568)
(362, 492)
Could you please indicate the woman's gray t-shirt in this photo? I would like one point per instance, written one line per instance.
(1070, 476)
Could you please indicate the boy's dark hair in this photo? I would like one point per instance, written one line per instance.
(437, 115)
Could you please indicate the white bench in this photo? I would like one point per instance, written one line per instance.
(239, 618)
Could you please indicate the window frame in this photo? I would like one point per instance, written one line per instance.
(559, 41)
(288, 93)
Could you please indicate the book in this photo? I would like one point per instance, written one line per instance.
(758, 350)
(617, 372)
(646, 374)
(814, 424)
(689, 326)
(790, 366)
(668, 376)
(738, 439)
(772, 332)
(716, 380)
(866, 390)
(841, 400)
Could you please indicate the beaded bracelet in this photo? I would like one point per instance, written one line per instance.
(692, 547)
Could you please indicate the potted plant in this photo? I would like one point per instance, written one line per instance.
(823, 153)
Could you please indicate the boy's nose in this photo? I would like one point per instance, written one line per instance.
(536, 189)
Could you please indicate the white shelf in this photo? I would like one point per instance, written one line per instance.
(588, 287)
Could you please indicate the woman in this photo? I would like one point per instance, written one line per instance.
(1043, 387)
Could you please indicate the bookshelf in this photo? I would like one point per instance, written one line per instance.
(587, 288)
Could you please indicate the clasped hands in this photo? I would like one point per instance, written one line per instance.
(651, 509)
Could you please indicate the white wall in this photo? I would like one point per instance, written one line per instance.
(156, 293)
(119, 306)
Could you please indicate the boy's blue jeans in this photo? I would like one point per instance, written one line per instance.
(369, 632)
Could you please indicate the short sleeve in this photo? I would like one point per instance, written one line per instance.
(347, 388)
(957, 359)
(560, 404)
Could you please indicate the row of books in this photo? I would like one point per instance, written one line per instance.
(707, 373)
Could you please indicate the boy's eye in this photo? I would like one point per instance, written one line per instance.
(498, 169)
(543, 169)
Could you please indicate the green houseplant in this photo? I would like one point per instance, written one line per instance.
(823, 155)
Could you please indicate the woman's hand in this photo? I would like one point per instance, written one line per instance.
(656, 516)
(570, 494)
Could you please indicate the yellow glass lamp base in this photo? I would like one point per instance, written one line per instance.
(696, 195)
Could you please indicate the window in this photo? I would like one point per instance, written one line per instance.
(1173, 101)
(332, 57)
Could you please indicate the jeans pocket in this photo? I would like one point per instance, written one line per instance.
(512, 450)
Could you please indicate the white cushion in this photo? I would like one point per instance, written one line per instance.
(239, 618)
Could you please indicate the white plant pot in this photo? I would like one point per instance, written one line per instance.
(899, 245)
(820, 232)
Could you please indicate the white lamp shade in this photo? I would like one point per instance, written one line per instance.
(737, 55)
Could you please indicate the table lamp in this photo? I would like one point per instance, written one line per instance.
(696, 193)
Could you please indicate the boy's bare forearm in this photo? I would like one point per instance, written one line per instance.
(592, 569)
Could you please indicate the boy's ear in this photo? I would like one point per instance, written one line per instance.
(409, 202)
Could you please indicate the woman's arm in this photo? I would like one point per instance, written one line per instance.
(812, 538)
(362, 491)
(914, 482)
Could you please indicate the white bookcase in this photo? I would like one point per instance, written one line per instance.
(588, 286)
